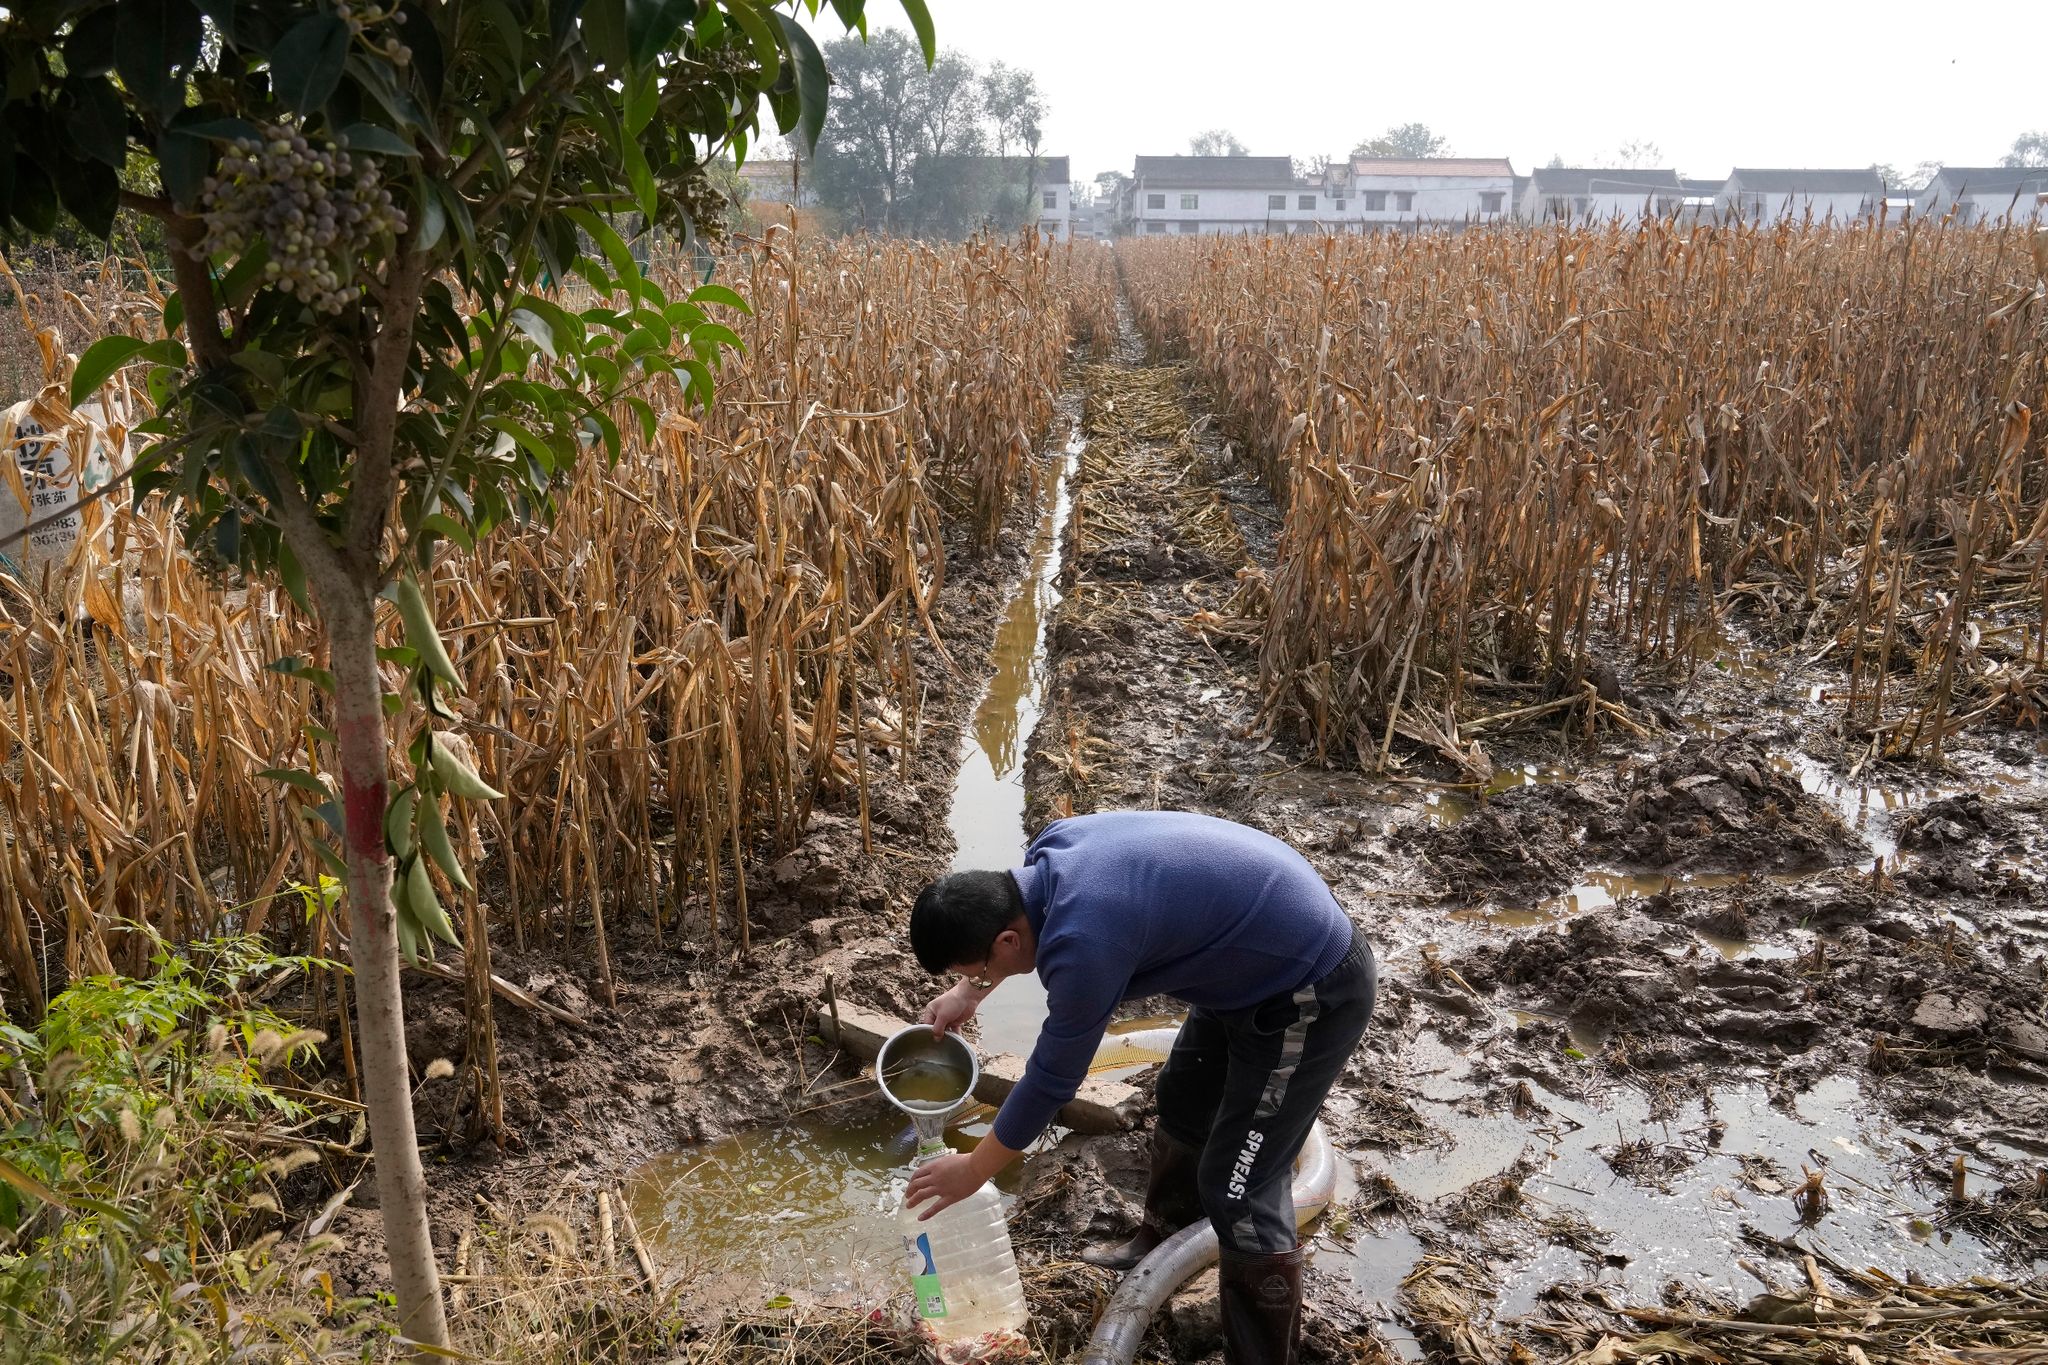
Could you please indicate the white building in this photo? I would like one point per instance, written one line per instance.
(1188, 194)
(1987, 194)
(1596, 194)
(1055, 193)
(1758, 195)
(1394, 192)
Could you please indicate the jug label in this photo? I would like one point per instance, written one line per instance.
(924, 1281)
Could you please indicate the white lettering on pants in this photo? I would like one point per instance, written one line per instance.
(1241, 1170)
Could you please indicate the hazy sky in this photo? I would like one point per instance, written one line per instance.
(1790, 83)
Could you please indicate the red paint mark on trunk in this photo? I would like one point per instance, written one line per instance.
(362, 803)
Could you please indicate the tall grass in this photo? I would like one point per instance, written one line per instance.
(715, 634)
(1492, 444)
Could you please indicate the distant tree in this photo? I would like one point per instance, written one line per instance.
(1914, 180)
(1110, 184)
(1015, 108)
(949, 109)
(1310, 167)
(905, 148)
(1217, 142)
(1556, 162)
(872, 128)
(2029, 149)
(1404, 139)
(1636, 154)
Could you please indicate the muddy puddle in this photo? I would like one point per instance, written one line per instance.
(1610, 1193)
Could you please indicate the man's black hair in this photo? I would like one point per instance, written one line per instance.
(956, 918)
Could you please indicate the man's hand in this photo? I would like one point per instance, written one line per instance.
(944, 1181)
(947, 1013)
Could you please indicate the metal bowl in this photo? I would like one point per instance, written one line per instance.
(919, 1051)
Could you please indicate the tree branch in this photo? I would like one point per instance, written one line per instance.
(189, 270)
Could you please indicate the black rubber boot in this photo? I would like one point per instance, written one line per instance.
(1261, 1300)
(1171, 1203)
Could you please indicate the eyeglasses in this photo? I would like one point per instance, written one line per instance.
(980, 979)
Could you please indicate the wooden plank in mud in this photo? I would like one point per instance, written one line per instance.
(1100, 1106)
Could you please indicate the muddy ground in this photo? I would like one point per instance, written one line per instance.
(1676, 1017)
(1645, 1000)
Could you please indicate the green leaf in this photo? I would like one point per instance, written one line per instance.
(760, 37)
(643, 99)
(97, 122)
(89, 50)
(603, 23)
(701, 384)
(181, 161)
(368, 137)
(99, 362)
(921, 24)
(717, 334)
(306, 64)
(813, 84)
(533, 445)
(718, 293)
(646, 193)
(621, 260)
(652, 26)
(300, 778)
(441, 524)
(537, 329)
(155, 44)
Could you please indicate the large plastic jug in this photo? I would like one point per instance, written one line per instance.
(963, 1274)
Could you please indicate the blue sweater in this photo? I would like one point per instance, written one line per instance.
(1138, 903)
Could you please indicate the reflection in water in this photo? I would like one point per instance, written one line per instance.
(987, 818)
(1738, 1156)
(805, 1206)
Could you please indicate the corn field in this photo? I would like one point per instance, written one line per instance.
(1492, 445)
(716, 631)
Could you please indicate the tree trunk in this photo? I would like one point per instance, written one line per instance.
(348, 610)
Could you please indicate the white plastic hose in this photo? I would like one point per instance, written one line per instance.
(1193, 1249)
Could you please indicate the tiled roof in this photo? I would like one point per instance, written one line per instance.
(1602, 180)
(1992, 179)
(1431, 165)
(1807, 181)
(1216, 172)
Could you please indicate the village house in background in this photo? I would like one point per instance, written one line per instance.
(1758, 195)
(1987, 194)
(1045, 179)
(1402, 192)
(1599, 194)
(1190, 194)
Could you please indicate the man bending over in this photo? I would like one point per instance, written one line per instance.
(1119, 906)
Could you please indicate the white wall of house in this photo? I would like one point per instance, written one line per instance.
(1634, 206)
(1769, 206)
(1156, 210)
(1984, 206)
(1989, 207)
(1055, 209)
(1394, 200)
